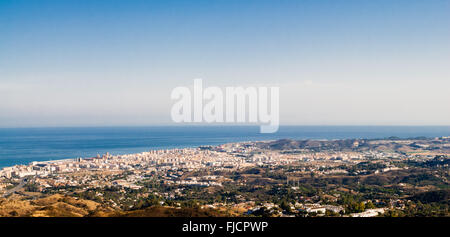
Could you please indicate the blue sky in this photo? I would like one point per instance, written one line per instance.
(76, 63)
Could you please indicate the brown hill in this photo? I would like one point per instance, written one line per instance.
(52, 206)
(158, 211)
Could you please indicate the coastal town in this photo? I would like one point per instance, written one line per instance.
(353, 177)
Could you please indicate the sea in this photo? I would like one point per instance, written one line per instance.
(25, 145)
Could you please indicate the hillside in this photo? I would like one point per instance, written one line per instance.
(51, 206)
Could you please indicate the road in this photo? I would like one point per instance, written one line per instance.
(16, 188)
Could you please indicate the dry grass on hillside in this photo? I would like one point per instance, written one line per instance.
(51, 206)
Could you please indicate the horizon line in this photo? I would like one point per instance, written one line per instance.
(216, 125)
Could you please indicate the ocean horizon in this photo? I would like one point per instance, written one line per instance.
(25, 145)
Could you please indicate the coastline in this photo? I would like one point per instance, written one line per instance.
(53, 161)
(22, 146)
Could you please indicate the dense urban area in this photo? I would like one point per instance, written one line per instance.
(389, 177)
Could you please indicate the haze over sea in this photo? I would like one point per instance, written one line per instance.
(24, 145)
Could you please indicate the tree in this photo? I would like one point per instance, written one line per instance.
(369, 205)
(360, 207)
(285, 206)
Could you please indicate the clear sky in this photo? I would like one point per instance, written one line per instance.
(77, 63)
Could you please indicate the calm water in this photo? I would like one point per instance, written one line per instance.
(24, 145)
